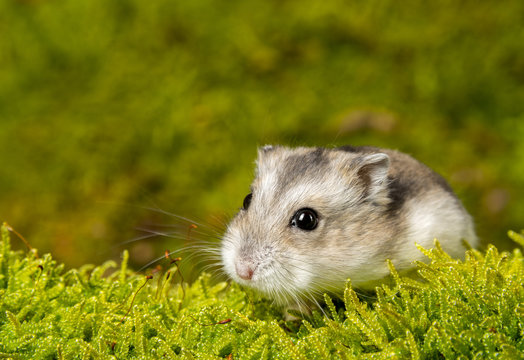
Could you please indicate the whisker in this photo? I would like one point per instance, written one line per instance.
(156, 260)
(135, 239)
(190, 221)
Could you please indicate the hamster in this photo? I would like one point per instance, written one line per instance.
(318, 216)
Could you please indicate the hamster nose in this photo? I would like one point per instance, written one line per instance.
(245, 269)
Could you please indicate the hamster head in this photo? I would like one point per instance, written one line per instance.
(306, 225)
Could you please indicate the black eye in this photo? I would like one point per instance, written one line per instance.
(247, 201)
(305, 219)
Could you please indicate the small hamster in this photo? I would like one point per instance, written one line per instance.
(318, 216)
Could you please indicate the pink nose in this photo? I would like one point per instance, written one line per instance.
(245, 271)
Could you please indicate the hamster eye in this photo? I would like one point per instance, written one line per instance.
(247, 201)
(305, 219)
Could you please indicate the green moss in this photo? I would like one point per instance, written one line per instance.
(455, 309)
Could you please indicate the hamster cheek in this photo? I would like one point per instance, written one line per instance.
(229, 253)
(303, 275)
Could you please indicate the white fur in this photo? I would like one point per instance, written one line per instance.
(431, 218)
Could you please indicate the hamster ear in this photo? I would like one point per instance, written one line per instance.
(265, 149)
(372, 170)
(265, 158)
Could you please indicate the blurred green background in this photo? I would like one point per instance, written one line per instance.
(111, 107)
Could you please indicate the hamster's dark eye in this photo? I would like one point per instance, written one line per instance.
(247, 201)
(305, 219)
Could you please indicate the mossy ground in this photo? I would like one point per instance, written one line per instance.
(456, 309)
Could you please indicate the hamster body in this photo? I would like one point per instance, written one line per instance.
(317, 216)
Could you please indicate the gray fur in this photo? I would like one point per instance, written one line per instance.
(373, 204)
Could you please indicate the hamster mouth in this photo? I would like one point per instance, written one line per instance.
(277, 276)
(278, 282)
(283, 284)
